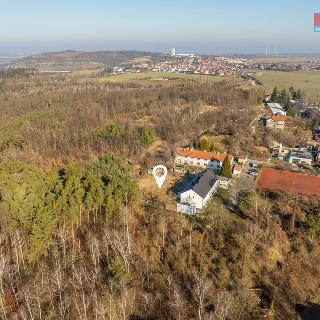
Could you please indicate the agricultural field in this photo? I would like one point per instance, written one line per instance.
(154, 76)
(307, 81)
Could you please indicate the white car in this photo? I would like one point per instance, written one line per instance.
(253, 172)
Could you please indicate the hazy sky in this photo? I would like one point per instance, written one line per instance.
(202, 26)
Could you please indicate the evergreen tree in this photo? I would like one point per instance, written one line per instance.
(274, 95)
(72, 193)
(284, 99)
(111, 130)
(226, 169)
(147, 136)
(94, 191)
(299, 95)
(204, 144)
(292, 93)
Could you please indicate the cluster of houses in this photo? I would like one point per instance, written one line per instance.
(192, 64)
(197, 192)
(286, 67)
(195, 195)
(303, 154)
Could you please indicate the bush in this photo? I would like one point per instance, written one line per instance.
(147, 136)
(223, 194)
(111, 130)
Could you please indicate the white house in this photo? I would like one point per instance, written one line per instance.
(275, 122)
(237, 169)
(198, 191)
(201, 159)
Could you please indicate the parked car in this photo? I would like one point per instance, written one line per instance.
(253, 172)
(253, 165)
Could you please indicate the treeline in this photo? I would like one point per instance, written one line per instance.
(284, 97)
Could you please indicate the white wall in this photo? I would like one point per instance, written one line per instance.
(298, 160)
(198, 162)
(195, 200)
(192, 198)
(183, 208)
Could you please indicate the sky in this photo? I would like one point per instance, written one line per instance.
(199, 26)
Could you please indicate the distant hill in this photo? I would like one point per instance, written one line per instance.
(74, 60)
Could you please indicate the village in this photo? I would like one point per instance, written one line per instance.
(214, 65)
(191, 64)
(289, 169)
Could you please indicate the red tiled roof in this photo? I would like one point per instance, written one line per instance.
(286, 181)
(201, 154)
(278, 118)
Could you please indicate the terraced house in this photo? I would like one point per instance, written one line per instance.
(201, 159)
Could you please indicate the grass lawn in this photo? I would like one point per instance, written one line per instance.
(308, 81)
(154, 76)
(87, 72)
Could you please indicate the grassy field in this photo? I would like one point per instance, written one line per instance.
(154, 76)
(307, 81)
(85, 72)
(284, 59)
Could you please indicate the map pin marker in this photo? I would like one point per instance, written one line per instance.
(160, 179)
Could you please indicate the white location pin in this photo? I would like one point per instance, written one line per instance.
(160, 169)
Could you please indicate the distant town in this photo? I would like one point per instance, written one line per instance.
(213, 65)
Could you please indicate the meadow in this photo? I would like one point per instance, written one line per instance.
(307, 81)
(154, 76)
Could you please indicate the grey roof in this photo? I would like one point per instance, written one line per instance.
(276, 108)
(203, 183)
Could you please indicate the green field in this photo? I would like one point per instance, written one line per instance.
(307, 81)
(154, 76)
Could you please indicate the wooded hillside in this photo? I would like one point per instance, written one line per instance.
(79, 239)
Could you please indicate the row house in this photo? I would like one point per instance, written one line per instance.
(201, 159)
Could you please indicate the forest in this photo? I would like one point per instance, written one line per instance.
(81, 239)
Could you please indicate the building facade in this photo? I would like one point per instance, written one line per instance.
(275, 122)
(201, 159)
(196, 194)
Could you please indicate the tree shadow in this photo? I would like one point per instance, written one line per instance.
(310, 311)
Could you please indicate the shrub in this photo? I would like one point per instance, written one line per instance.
(111, 130)
(147, 136)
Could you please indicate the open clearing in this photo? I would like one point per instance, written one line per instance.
(307, 81)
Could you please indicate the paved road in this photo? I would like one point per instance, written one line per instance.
(258, 164)
(271, 164)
